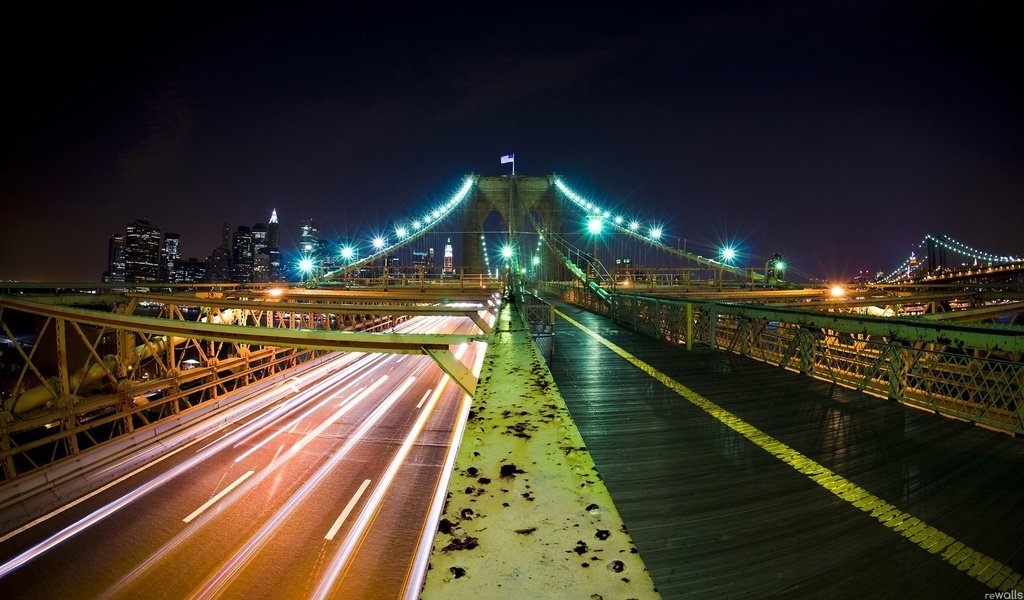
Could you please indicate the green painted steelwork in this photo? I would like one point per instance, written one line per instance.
(969, 372)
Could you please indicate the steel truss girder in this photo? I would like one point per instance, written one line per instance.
(411, 310)
(118, 407)
(398, 343)
(459, 372)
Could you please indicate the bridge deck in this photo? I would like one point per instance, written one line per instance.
(712, 512)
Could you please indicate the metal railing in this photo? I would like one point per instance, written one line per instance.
(540, 318)
(969, 372)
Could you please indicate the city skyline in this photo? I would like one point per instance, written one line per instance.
(838, 135)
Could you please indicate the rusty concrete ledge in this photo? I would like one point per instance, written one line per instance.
(527, 514)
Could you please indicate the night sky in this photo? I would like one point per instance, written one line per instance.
(836, 133)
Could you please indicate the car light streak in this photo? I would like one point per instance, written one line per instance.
(418, 568)
(285, 408)
(319, 390)
(348, 508)
(355, 535)
(215, 584)
(112, 507)
(237, 493)
(217, 497)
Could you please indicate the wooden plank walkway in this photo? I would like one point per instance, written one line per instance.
(715, 515)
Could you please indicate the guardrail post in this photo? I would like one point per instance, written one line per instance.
(805, 342)
(657, 319)
(689, 326)
(713, 325)
(897, 368)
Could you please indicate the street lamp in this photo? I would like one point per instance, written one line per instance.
(306, 266)
(594, 226)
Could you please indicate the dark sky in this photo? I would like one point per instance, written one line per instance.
(837, 133)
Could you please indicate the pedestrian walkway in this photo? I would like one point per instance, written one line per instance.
(737, 478)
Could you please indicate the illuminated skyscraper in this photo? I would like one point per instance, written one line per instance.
(272, 230)
(242, 255)
(449, 259)
(115, 260)
(309, 238)
(310, 244)
(170, 253)
(273, 249)
(218, 265)
(143, 243)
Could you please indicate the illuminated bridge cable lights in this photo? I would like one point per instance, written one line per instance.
(914, 268)
(654, 232)
(950, 244)
(406, 231)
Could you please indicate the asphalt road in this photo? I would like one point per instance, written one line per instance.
(331, 492)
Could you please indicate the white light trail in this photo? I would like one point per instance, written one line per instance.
(112, 507)
(216, 583)
(362, 523)
(418, 570)
(184, 535)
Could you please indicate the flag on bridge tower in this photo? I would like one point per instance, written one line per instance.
(510, 158)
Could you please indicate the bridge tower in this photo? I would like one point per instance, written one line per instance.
(936, 257)
(513, 197)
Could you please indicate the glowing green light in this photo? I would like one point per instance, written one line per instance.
(594, 225)
(506, 251)
(436, 214)
(536, 260)
(634, 225)
(400, 232)
(618, 220)
(655, 233)
(415, 224)
(780, 265)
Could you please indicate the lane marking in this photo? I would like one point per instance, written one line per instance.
(231, 568)
(977, 565)
(220, 494)
(424, 398)
(369, 511)
(348, 508)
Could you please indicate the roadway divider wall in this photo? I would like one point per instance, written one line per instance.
(527, 515)
(968, 372)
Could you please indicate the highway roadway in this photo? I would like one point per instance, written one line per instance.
(332, 491)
